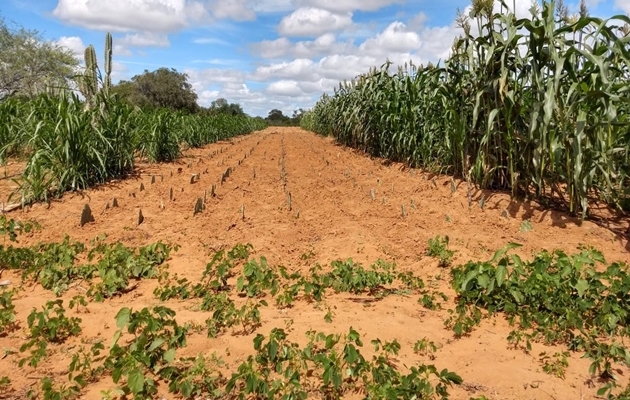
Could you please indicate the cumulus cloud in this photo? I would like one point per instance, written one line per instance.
(285, 88)
(210, 41)
(238, 10)
(283, 47)
(309, 21)
(200, 78)
(300, 68)
(119, 70)
(277, 48)
(348, 5)
(129, 15)
(396, 38)
(273, 5)
(418, 21)
(123, 45)
(623, 5)
(144, 39)
(164, 16)
(74, 44)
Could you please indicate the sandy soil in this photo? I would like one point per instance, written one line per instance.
(333, 217)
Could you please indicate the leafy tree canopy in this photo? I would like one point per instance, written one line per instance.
(161, 88)
(222, 106)
(277, 117)
(30, 65)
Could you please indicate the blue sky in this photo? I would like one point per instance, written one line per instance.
(262, 54)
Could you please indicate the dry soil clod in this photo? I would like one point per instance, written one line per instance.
(140, 217)
(198, 206)
(86, 215)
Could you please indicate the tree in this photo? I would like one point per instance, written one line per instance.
(222, 106)
(30, 65)
(276, 117)
(161, 88)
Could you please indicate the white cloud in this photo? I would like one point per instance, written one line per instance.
(623, 5)
(418, 21)
(200, 79)
(237, 10)
(285, 88)
(300, 68)
(273, 48)
(270, 6)
(283, 47)
(210, 41)
(129, 15)
(396, 38)
(161, 16)
(74, 44)
(119, 71)
(310, 21)
(348, 5)
(121, 51)
(144, 39)
(123, 45)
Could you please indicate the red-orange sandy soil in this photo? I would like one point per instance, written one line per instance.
(332, 216)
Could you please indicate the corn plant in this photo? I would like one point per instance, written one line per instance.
(532, 105)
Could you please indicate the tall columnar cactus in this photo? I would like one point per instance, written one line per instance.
(107, 81)
(89, 85)
(89, 81)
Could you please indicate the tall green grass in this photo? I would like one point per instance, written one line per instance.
(534, 105)
(71, 147)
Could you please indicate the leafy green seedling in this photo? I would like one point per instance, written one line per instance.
(425, 347)
(556, 365)
(438, 248)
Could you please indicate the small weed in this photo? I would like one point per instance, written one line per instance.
(78, 301)
(329, 316)
(308, 255)
(429, 300)
(425, 347)
(438, 248)
(556, 365)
